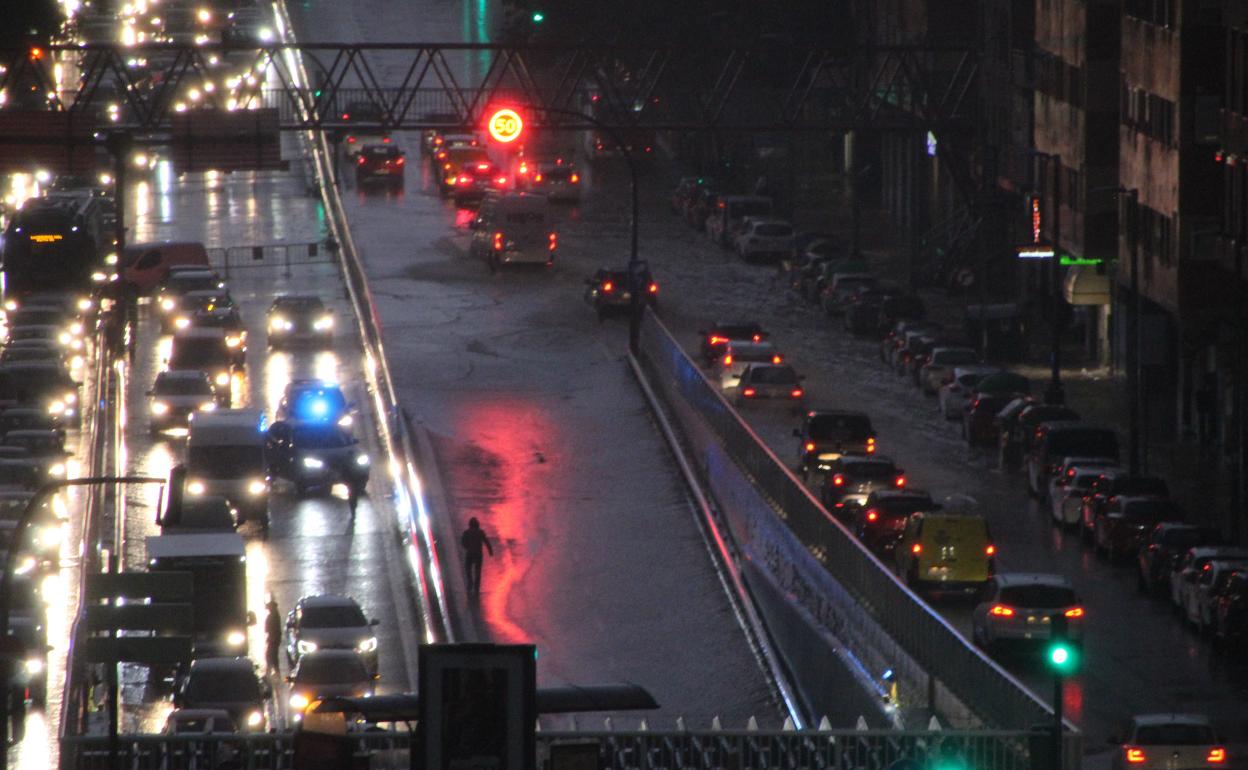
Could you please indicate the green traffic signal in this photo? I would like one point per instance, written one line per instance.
(538, 17)
(1063, 657)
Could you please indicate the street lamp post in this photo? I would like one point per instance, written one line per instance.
(1055, 394)
(634, 264)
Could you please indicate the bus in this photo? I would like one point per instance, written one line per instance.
(52, 244)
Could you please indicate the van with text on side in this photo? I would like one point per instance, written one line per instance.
(513, 229)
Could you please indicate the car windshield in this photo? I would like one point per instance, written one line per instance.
(183, 386)
(845, 426)
(774, 230)
(187, 282)
(1038, 596)
(298, 305)
(315, 669)
(1152, 509)
(954, 357)
(222, 686)
(1182, 538)
(322, 437)
(773, 375)
(199, 354)
(904, 506)
(337, 616)
(1175, 735)
(873, 471)
(225, 462)
(1083, 443)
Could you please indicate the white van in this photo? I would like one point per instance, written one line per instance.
(514, 228)
(225, 456)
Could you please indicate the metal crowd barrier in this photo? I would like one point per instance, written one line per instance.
(269, 255)
(645, 750)
(960, 678)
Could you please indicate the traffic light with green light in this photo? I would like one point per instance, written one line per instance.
(1061, 655)
(538, 17)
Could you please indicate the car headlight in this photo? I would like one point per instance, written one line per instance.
(51, 535)
(56, 407)
(368, 645)
(222, 378)
(167, 304)
(315, 463)
(75, 329)
(25, 566)
(181, 322)
(71, 398)
(277, 322)
(233, 342)
(195, 487)
(58, 469)
(304, 647)
(208, 406)
(255, 719)
(323, 323)
(257, 488)
(361, 460)
(160, 407)
(236, 638)
(85, 304)
(34, 666)
(64, 338)
(299, 701)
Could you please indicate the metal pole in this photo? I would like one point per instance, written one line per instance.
(1057, 722)
(1054, 394)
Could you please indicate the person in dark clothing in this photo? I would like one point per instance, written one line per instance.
(272, 635)
(473, 540)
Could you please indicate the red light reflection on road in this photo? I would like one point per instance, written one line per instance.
(1072, 700)
(464, 217)
(500, 480)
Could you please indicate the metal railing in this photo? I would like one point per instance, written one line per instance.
(994, 697)
(270, 255)
(641, 750)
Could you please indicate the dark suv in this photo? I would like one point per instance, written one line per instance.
(608, 291)
(826, 434)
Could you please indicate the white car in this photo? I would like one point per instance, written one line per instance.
(1189, 566)
(940, 365)
(1199, 595)
(737, 355)
(176, 395)
(1166, 741)
(769, 240)
(1067, 471)
(771, 385)
(1019, 607)
(954, 395)
(1067, 491)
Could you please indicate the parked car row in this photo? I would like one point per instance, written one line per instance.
(745, 224)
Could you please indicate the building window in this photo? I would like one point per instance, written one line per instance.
(1159, 12)
(1148, 113)
(1156, 232)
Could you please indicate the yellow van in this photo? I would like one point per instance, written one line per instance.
(945, 551)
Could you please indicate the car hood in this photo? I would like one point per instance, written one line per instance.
(346, 638)
(331, 690)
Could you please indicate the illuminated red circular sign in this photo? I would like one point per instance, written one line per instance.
(505, 125)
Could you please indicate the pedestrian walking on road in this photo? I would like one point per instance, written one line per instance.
(272, 635)
(474, 540)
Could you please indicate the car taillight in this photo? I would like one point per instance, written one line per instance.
(1074, 612)
(1216, 755)
(362, 160)
(575, 179)
(796, 393)
(714, 340)
(462, 180)
(728, 360)
(775, 359)
(1002, 611)
(810, 446)
(537, 178)
(552, 241)
(608, 287)
(437, 140)
(350, 140)
(748, 392)
(871, 445)
(498, 241)
(872, 515)
(482, 166)
(901, 481)
(400, 161)
(916, 548)
(524, 169)
(838, 480)
(654, 288)
(501, 180)
(1136, 756)
(990, 550)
